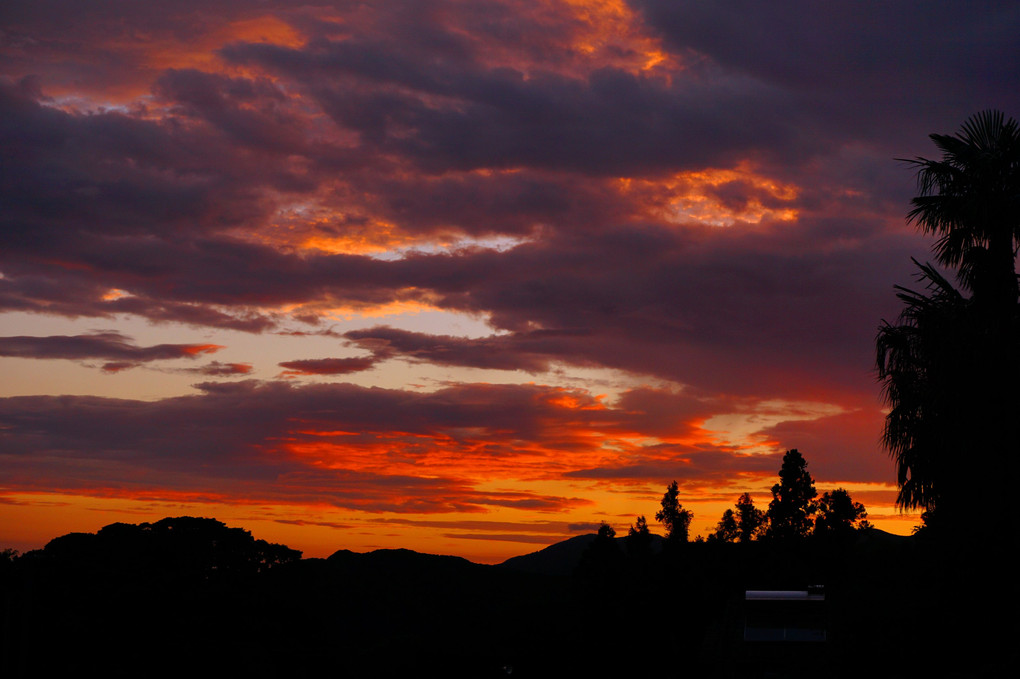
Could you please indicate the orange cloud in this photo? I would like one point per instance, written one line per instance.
(715, 196)
(159, 52)
(611, 32)
(584, 35)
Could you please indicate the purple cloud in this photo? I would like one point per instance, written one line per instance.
(118, 349)
(327, 366)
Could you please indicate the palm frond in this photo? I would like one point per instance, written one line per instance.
(912, 358)
(983, 130)
(970, 197)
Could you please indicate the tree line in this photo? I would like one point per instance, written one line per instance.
(794, 513)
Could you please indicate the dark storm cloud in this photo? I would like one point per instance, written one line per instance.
(107, 200)
(608, 122)
(250, 112)
(109, 173)
(878, 69)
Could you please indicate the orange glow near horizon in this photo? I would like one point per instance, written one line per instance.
(30, 520)
(470, 491)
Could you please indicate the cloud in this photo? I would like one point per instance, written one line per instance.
(496, 352)
(692, 468)
(359, 448)
(506, 537)
(880, 70)
(219, 369)
(843, 447)
(608, 121)
(327, 366)
(250, 112)
(119, 350)
(526, 527)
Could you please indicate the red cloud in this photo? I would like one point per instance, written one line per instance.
(347, 446)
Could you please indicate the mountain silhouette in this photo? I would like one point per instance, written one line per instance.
(167, 601)
(563, 558)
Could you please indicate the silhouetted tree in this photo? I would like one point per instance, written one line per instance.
(928, 369)
(792, 505)
(7, 559)
(839, 515)
(266, 555)
(727, 529)
(603, 557)
(950, 365)
(970, 199)
(184, 546)
(674, 518)
(750, 519)
(639, 539)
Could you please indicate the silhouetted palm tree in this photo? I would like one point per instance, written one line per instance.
(950, 366)
(924, 380)
(970, 199)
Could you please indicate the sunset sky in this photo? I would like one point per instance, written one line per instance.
(467, 277)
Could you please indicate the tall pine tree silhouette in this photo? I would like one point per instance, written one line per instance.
(789, 513)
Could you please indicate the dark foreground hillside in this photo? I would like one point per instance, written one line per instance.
(128, 602)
